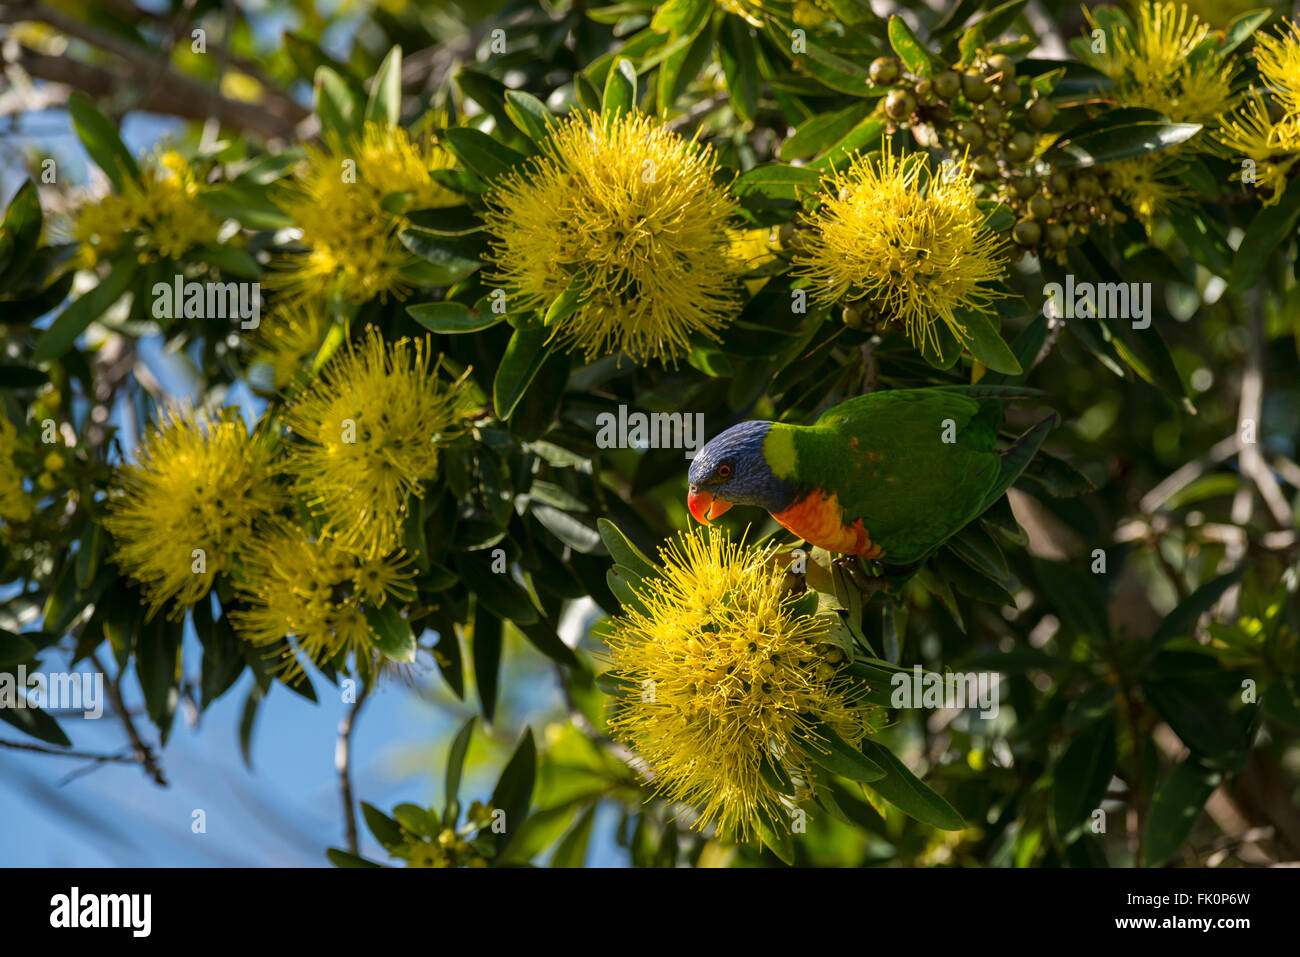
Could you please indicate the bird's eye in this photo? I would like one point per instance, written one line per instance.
(724, 471)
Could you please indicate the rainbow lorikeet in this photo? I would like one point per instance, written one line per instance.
(887, 475)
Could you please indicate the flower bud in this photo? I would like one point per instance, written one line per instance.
(884, 71)
(974, 88)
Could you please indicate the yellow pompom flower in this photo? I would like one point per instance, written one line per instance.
(288, 336)
(627, 211)
(914, 244)
(308, 589)
(367, 433)
(162, 209)
(15, 503)
(346, 202)
(1272, 147)
(190, 504)
(1279, 63)
(726, 676)
(1156, 64)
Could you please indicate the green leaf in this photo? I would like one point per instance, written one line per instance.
(20, 234)
(341, 858)
(529, 114)
(452, 318)
(1242, 28)
(337, 105)
(1080, 779)
(681, 17)
(910, 50)
(392, 632)
(449, 263)
(99, 135)
(21, 377)
(33, 721)
(776, 838)
(82, 311)
(620, 89)
(1181, 622)
(523, 357)
(497, 591)
(823, 746)
(901, 788)
(14, 649)
(572, 850)
(624, 552)
(986, 345)
(1177, 802)
(1124, 142)
(620, 581)
(735, 48)
(514, 791)
(386, 831)
(566, 303)
(385, 104)
(1271, 226)
(481, 154)
(823, 130)
(487, 659)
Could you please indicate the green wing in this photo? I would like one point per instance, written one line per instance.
(884, 456)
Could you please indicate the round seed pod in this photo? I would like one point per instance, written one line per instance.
(1008, 92)
(1040, 207)
(1027, 233)
(1022, 187)
(947, 84)
(1039, 113)
(993, 112)
(1058, 237)
(969, 134)
(986, 167)
(1020, 147)
(1059, 183)
(1000, 63)
(884, 71)
(974, 88)
(900, 104)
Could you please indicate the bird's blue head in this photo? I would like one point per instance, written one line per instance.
(732, 470)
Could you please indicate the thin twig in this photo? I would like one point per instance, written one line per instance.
(65, 753)
(144, 753)
(342, 764)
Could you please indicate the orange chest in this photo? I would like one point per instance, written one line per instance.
(819, 520)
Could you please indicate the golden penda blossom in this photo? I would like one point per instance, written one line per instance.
(914, 244)
(162, 210)
(306, 588)
(1147, 185)
(15, 503)
(349, 201)
(627, 212)
(289, 335)
(1273, 148)
(1279, 63)
(367, 434)
(727, 683)
(1166, 62)
(189, 506)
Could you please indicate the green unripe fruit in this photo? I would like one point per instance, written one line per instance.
(993, 112)
(1023, 186)
(986, 167)
(947, 84)
(969, 134)
(854, 317)
(924, 90)
(900, 104)
(1040, 113)
(974, 88)
(1040, 207)
(1059, 183)
(1020, 147)
(884, 71)
(1105, 206)
(1001, 63)
(1057, 236)
(1008, 92)
(1081, 214)
(1088, 186)
(1027, 233)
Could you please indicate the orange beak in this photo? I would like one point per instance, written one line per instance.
(704, 506)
